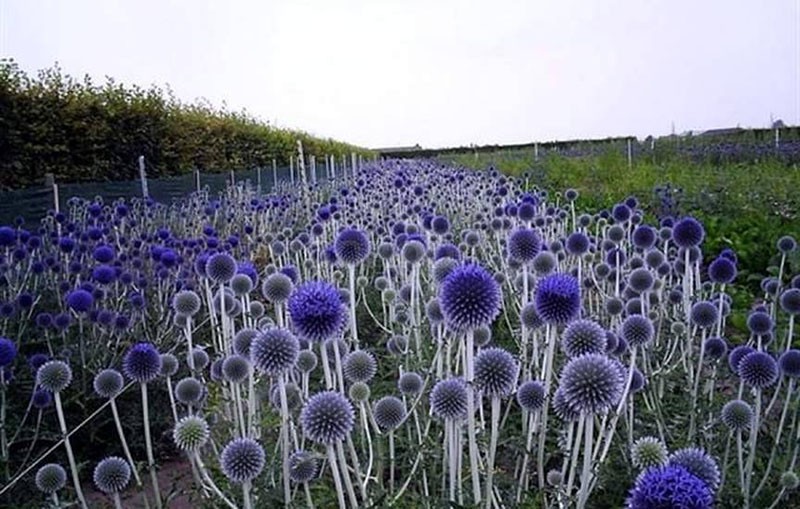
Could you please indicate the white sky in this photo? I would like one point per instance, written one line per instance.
(438, 72)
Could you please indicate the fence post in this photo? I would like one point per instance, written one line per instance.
(332, 162)
(143, 178)
(274, 173)
(777, 138)
(536, 151)
(353, 163)
(258, 178)
(301, 164)
(291, 169)
(630, 155)
(197, 180)
(313, 163)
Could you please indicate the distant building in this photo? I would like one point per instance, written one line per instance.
(727, 131)
(396, 151)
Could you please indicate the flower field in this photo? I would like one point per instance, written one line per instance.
(417, 334)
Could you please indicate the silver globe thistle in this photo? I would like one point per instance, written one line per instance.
(108, 383)
(648, 452)
(191, 433)
(50, 478)
(112, 475)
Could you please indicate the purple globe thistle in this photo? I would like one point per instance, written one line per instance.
(352, 246)
(274, 351)
(715, 348)
(530, 395)
(790, 301)
(759, 323)
(186, 302)
(236, 368)
(637, 330)
(327, 418)
(317, 311)
(524, 244)
(50, 478)
(221, 267)
(704, 314)
(640, 280)
(688, 232)
(737, 415)
(698, 463)
(41, 399)
(191, 433)
(54, 376)
(142, 362)
(786, 244)
(112, 475)
(582, 337)
(108, 383)
(410, 383)
(389, 413)
(189, 391)
(722, 270)
(789, 363)
(591, 383)
(758, 370)
(558, 298)
(529, 317)
(449, 398)
(8, 352)
(80, 300)
(104, 274)
(736, 355)
(669, 487)
(277, 288)
(469, 297)
(644, 237)
(495, 372)
(359, 366)
(303, 466)
(242, 460)
(577, 243)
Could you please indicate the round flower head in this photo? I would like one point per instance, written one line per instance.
(688, 232)
(648, 452)
(669, 487)
(191, 433)
(112, 475)
(242, 460)
(737, 415)
(736, 355)
(108, 383)
(530, 395)
(789, 480)
(306, 361)
(8, 352)
(644, 237)
(558, 298)
(495, 372)
(722, 270)
(303, 466)
(410, 383)
(186, 302)
(790, 301)
(274, 351)
(449, 399)
(327, 417)
(317, 311)
(41, 399)
(351, 246)
(637, 330)
(389, 413)
(591, 383)
(482, 335)
(169, 364)
(789, 363)
(758, 370)
(715, 348)
(54, 376)
(544, 263)
(80, 300)
(359, 366)
(294, 397)
(470, 297)
(199, 358)
(189, 391)
(359, 392)
(786, 244)
(640, 280)
(524, 244)
(554, 478)
(704, 314)
(241, 284)
(698, 463)
(220, 267)
(759, 323)
(577, 243)
(50, 478)
(142, 363)
(413, 251)
(442, 268)
(243, 340)
(236, 368)
(582, 337)
(277, 288)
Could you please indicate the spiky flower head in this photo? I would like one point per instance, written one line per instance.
(530, 395)
(524, 244)
(191, 433)
(558, 298)
(637, 330)
(669, 487)
(112, 474)
(142, 362)
(186, 302)
(189, 391)
(359, 392)
(699, 463)
(704, 314)
(50, 478)
(80, 300)
(469, 297)
(242, 460)
(582, 337)
(389, 412)
(317, 311)
(758, 370)
(591, 383)
(688, 232)
(221, 267)
(306, 361)
(495, 372)
(327, 417)
(54, 376)
(410, 383)
(449, 399)
(236, 368)
(760, 323)
(648, 452)
(8, 352)
(352, 246)
(790, 301)
(736, 355)
(789, 363)
(529, 317)
(715, 348)
(277, 288)
(303, 466)
(108, 383)
(737, 415)
(722, 270)
(274, 351)
(359, 366)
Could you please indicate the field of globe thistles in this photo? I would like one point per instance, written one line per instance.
(415, 335)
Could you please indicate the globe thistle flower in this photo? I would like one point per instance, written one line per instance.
(637, 330)
(737, 415)
(306, 361)
(448, 399)
(8, 352)
(241, 284)
(317, 311)
(529, 317)
(294, 397)
(789, 363)
(108, 383)
(54, 376)
(614, 306)
(50, 478)
(562, 407)
(704, 314)
(715, 348)
(359, 392)
(410, 383)
(495, 372)
(189, 391)
(736, 355)
(242, 460)
(303, 466)
(112, 475)
(722, 270)
(469, 297)
(352, 246)
(274, 351)
(530, 395)
(688, 232)
(220, 267)
(80, 300)
(169, 365)
(397, 344)
(200, 358)
(577, 243)
(191, 433)
(442, 268)
(789, 480)
(389, 413)
(669, 486)
(554, 478)
(760, 323)
(413, 251)
(359, 366)
(41, 399)
(786, 244)
(591, 383)
(243, 340)
(277, 288)
(544, 263)
(698, 463)
(641, 280)
(327, 417)
(644, 237)
(790, 301)
(558, 298)
(648, 452)
(142, 363)
(524, 244)
(582, 337)
(236, 368)
(482, 335)
(758, 370)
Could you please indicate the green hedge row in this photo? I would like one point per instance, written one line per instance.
(80, 132)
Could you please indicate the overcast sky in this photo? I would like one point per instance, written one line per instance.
(438, 72)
